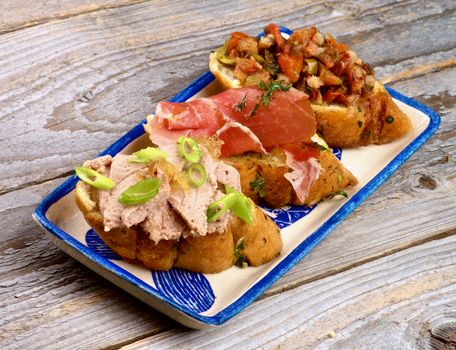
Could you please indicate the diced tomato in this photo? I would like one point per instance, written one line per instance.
(234, 40)
(274, 29)
(355, 79)
(335, 96)
(328, 77)
(301, 37)
(341, 65)
(291, 65)
(247, 66)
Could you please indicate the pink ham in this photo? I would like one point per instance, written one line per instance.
(287, 119)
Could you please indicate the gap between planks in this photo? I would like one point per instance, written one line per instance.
(59, 17)
(343, 268)
(419, 71)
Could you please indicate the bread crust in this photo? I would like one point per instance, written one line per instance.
(362, 123)
(278, 191)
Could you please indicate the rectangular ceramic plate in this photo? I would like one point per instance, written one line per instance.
(199, 300)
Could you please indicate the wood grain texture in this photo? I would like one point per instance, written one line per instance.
(385, 304)
(16, 15)
(70, 87)
(81, 83)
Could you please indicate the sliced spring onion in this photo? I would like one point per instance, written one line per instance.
(196, 175)
(140, 192)
(189, 149)
(147, 155)
(94, 178)
(220, 207)
(242, 208)
(234, 200)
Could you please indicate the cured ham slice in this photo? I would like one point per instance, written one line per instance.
(287, 118)
(246, 140)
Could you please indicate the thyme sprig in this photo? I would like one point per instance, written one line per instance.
(265, 97)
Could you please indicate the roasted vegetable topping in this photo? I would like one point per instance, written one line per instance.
(311, 61)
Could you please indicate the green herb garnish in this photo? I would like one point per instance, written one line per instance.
(271, 64)
(360, 123)
(265, 97)
(239, 258)
(196, 175)
(240, 106)
(258, 186)
(389, 119)
(341, 193)
(235, 201)
(148, 154)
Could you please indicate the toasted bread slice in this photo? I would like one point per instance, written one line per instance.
(378, 121)
(209, 254)
(262, 178)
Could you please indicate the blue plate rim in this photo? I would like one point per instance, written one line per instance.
(287, 262)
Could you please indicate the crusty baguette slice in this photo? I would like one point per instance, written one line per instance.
(350, 126)
(224, 74)
(276, 191)
(210, 254)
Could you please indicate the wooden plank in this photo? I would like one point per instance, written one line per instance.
(14, 15)
(49, 298)
(44, 278)
(76, 85)
(390, 303)
(80, 83)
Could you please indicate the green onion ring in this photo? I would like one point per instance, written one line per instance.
(189, 149)
(220, 207)
(94, 178)
(237, 202)
(196, 175)
(243, 207)
(147, 155)
(140, 192)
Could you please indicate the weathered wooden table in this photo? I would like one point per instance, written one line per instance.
(76, 75)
